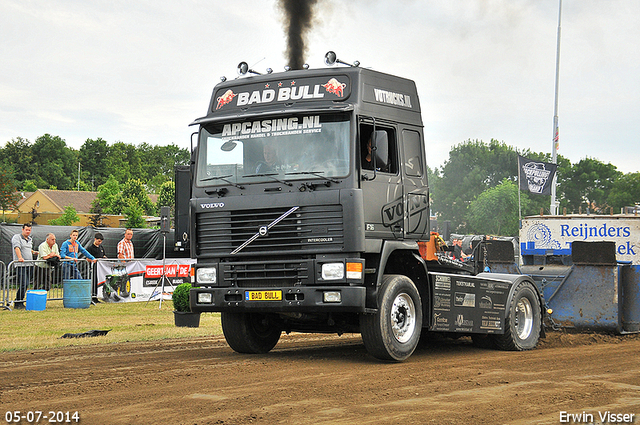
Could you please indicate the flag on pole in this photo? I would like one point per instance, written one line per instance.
(556, 138)
(535, 176)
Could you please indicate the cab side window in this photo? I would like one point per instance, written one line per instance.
(386, 148)
(412, 153)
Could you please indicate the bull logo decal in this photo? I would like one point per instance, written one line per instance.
(335, 87)
(226, 98)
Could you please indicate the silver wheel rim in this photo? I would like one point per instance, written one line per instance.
(403, 318)
(523, 318)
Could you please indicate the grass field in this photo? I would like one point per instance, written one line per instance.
(137, 321)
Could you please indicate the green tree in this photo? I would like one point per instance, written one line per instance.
(54, 164)
(83, 186)
(124, 162)
(29, 186)
(162, 159)
(588, 185)
(133, 190)
(106, 197)
(625, 192)
(167, 197)
(93, 156)
(18, 154)
(495, 211)
(69, 217)
(155, 184)
(134, 212)
(472, 168)
(8, 190)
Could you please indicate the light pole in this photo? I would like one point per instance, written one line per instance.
(556, 135)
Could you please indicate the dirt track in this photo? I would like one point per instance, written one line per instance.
(313, 379)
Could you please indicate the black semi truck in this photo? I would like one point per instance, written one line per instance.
(309, 212)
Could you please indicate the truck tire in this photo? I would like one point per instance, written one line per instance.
(523, 321)
(393, 332)
(250, 333)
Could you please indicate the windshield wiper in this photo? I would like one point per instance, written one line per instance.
(314, 173)
(270, 175)
(223, 178)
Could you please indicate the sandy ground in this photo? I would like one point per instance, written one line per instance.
(319, 379)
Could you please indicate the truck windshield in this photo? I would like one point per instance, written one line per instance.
(288, 148)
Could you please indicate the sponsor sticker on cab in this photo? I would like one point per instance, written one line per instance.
(263, 295)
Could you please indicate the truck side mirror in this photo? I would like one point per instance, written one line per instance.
(228, 146)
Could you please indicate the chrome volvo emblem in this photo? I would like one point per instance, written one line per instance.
(263, 230)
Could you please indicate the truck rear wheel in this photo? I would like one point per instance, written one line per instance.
(523, 320)
(393, 332)
(250, 333)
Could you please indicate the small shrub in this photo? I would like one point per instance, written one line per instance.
(180, 297)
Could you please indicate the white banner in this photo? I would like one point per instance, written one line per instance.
(140, 280)
(557, 233)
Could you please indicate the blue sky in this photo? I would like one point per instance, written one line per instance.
(142, 71)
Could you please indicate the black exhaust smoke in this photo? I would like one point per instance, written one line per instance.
(298, 19)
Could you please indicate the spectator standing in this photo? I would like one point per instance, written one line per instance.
(70, 250)
(125, 246)
(22, 247)
(48, 252)
(96, 249)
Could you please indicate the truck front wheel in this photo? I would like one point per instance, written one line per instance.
(393, 332)
(250, 333)
(523, 321)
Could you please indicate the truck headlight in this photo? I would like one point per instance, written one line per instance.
(333, 271)
(205, 297)
(332, 296)
(206, 275)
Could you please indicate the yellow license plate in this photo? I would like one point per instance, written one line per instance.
(263, 296)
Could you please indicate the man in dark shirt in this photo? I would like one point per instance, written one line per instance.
(97, 250)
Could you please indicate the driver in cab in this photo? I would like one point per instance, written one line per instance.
(271, 162)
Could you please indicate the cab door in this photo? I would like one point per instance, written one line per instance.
(415, 184)
(381, 181)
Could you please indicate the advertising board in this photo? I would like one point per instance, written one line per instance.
(554, 235)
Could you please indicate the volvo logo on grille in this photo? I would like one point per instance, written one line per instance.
(263, 230)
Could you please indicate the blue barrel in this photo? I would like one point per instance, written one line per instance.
(76, 293)
(36, 300)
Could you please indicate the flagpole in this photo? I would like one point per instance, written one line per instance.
(519, 207)
(554, 144)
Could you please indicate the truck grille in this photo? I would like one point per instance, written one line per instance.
(310, 229)
(283, 273)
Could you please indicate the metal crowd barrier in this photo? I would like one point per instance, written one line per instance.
(111, 276)
(18, 277)
(4, 304)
